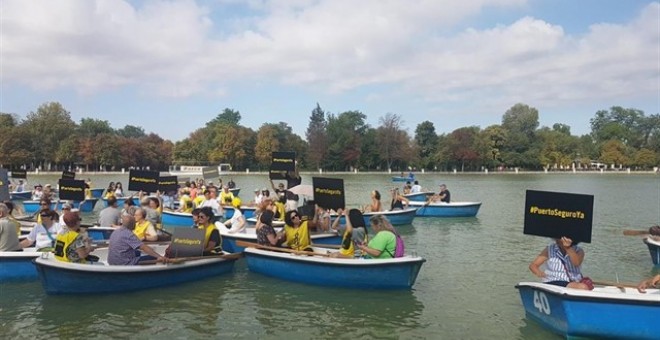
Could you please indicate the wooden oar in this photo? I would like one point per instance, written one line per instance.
(283, 250)
(629, 232)
(331, 246)
(616, 284)
(178, 260)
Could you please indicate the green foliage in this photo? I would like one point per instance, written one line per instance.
(317, 137)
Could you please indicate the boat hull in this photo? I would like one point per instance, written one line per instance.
(97, 192)
(454, 209)
(358, 273)
(176, 219)
(20, 196)
(72, 278)
(30, 207)
(606, 312)
(87, 205)
(654, 250)
(18, 266)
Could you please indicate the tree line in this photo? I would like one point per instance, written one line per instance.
(48, 138)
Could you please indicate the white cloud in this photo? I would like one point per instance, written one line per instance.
(176, 49)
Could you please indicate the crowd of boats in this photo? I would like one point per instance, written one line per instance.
(567, 311)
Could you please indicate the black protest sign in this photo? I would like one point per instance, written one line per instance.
(329, 192)
(210, 172)
(19, 174)
(558, 214)
(187, 242)
(68, 175)
(282, 162)
(141, 180)
(168, 183)
(71, 189)
(4, 185)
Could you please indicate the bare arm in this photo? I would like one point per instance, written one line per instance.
(535, 266)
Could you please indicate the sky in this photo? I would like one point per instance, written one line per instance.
(172, 66)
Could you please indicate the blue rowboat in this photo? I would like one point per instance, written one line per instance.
(31, 207)
(453, 209)
(20, 196)
(86, 205)
(59, 277)
(418, 196)
(17, 265)
(402, 179)
(396, 217)
(249, 235)
(176, 219)
(120, 201)
(605, 312)
(97, 192)
(357, 273)
(247, 211)
(654, 249)
(235, 191)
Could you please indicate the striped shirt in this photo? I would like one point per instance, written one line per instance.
(558, 263)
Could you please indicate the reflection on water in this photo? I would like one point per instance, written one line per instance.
(464, 290)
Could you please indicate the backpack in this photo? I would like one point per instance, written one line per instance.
(399, 249)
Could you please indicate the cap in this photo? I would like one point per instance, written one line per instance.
(66, 206)
(256, 190)
(71, 218)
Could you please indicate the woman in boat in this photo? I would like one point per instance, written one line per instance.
(119, 190)
(37, 193)
(43, 234)
(110, 190)
(266, 235)
(144, 229)
(71, 246)
(297, 231)
(8, 237)
(353, 233)
(212, 240)
(237, 221)
(563, 259)
(652, 282)
(398, 201)
(129, 207)
(376, 205)
(10, 216)
(383, 244)
(322, 219)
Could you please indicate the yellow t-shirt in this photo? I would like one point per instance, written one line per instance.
(298, 238)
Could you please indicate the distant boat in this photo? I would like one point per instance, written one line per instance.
(97, 192)
(402, 179)
(419, 196)
(18, 196)
(605, 312)
(654, 249)
(441, 209)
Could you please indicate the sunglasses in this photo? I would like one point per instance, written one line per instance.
(294, 216)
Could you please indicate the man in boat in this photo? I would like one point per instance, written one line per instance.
(110, 216)
(72, 246)
(279, 190)
(8, 235)
(143, 229)
(21, 186)
(226, 196)
(211, 203)
(442, 196)
(416, 188)
(124, 243)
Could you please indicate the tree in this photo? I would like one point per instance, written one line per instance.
(521, 147)
(267, 143)
(645, 158)
(90, 127)
(131, 131)
(231, 145)
(46, 127)
(344, 138)
(227, 116)
(393, 142)
(427, 143)
(464, 147)
(625, 125)
(614, 152)
(317, 137)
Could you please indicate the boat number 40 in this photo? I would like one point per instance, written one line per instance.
(541, 302)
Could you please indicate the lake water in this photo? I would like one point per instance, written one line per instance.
(464, 290)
